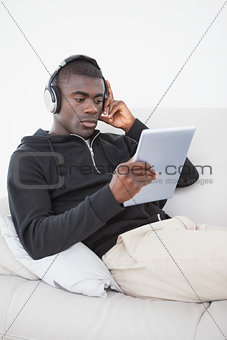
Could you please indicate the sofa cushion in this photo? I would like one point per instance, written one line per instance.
(213, 325)
(48, 313)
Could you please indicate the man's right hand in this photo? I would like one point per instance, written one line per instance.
(129, 178)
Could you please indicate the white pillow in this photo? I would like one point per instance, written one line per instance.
(76, 269)
(8, 263)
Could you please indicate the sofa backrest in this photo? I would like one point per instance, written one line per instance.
(205, 201)
(4, 205)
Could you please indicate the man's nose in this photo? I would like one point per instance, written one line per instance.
(90, 106)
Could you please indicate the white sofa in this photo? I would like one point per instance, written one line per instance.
(34, 310)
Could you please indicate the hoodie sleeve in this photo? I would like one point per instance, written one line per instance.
(40, 231)
(189, 173)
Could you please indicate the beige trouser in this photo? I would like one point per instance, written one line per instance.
(173, 259)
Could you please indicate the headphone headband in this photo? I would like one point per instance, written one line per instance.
(80, 57)
(52, 94)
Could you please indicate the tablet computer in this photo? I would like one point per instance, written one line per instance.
(166, 150)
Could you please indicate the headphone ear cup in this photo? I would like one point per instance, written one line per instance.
(57, 94)
(52, 98)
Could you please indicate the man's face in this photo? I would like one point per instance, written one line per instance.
(82, 102)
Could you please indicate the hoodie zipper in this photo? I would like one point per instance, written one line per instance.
(90, 149)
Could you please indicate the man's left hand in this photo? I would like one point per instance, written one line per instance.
(116, 113)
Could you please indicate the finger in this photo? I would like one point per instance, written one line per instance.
(155, 174)
(106, 105)
(114, 107)
(142, 173)
(104, 119)
(137, 170)
(149, 168)
(140, 170)
(131, 164)
(145, 165)
(144, 180)
(111, 106)
(132, 159)
(109, 90)
(141, 182)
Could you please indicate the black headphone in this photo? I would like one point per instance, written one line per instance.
(52, 94)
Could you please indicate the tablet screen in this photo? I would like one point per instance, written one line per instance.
(166, 150)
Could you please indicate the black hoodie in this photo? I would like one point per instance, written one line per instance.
(59, 194)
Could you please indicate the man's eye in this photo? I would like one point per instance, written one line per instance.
(99, 101)
(79, 100)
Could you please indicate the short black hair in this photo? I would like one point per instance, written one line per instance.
(79, 67)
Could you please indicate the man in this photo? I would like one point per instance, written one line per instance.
(88, 206)
(66, 185)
